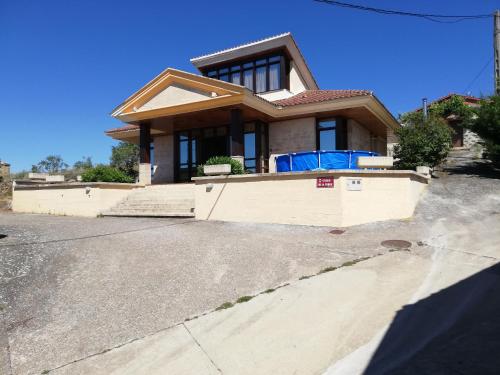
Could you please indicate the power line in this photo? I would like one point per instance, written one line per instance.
(442, 18)
(478, 74)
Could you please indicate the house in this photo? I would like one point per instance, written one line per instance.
(252, 102)
(461, 137)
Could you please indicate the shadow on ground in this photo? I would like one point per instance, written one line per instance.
(454, 331)
(482, 169)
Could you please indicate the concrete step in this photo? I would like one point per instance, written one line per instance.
(157, 201)
(148, 214)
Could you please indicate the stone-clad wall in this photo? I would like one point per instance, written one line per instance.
(164, 159)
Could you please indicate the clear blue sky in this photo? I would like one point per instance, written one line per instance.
(65, 64)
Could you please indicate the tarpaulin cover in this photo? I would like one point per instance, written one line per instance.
(307, 161)
(334, 160)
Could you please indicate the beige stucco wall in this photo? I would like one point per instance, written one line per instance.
(71, 200)
(174, 95)
(164, 159)
(295, 199)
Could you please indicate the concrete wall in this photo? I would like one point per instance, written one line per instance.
(293, 198)
(164, 159)
(69, 199)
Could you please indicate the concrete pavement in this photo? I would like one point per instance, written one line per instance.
(428, 310)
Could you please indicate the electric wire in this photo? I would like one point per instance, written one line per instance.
(441, 18)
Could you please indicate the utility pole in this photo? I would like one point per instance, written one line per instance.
(496, 47)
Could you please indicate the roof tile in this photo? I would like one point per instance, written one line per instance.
(317, 96)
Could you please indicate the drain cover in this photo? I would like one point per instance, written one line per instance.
(2, 236)
(396, 244)
(337, 231)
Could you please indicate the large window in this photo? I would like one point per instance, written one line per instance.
(260, 75)
(326, 134)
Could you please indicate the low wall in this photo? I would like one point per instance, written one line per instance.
(72, 199)
(294, 198)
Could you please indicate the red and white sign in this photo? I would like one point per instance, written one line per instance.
(324, 182)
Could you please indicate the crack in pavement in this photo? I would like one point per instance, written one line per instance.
(201, 348)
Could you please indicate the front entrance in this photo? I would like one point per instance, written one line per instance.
(194, 147)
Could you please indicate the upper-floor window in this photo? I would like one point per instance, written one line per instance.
(259, 75)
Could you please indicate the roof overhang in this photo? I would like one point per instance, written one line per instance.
(282, 41)
(225, 95)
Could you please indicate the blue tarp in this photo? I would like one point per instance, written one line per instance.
(308, 161)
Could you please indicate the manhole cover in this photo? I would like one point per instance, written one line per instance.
(396, 244)
(337, 231)
(2, 236)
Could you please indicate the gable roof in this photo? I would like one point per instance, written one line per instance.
(284, 40)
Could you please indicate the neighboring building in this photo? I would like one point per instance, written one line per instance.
(4, 171)
(254, 102)
(461, 137)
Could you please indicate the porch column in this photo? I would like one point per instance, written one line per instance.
(236, 135)
(145, 154)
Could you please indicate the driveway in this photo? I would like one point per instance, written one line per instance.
(104, 295)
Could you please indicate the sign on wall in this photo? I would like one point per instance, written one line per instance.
(324, 182)
(354, 184)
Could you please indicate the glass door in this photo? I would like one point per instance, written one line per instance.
(186, 156)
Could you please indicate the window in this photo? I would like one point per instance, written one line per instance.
(260, 79)
(274, 77)
(250, 148)
(326, 134)
(248, 79)
(261, 75)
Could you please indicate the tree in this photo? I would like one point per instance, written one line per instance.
(83, 164)
(454, 106)
(487, 126)
(51, 164)
(422, 143)
(125, 157)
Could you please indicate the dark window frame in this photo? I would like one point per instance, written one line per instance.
(340, 132)
(267, 60)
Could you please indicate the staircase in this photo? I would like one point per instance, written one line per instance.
(173, 200)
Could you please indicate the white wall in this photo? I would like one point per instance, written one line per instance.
(297, 84)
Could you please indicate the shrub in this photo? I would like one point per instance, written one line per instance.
(105, 173)
(487, 126)
(422, 144)
(236, 166)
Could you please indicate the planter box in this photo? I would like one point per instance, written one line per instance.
(217, 169)
(375, 162)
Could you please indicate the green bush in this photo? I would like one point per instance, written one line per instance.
(422, 144)
(236, 166)
(105, 173)
(487, 126)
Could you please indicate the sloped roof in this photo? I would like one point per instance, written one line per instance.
(317, 96)
(284, 40)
